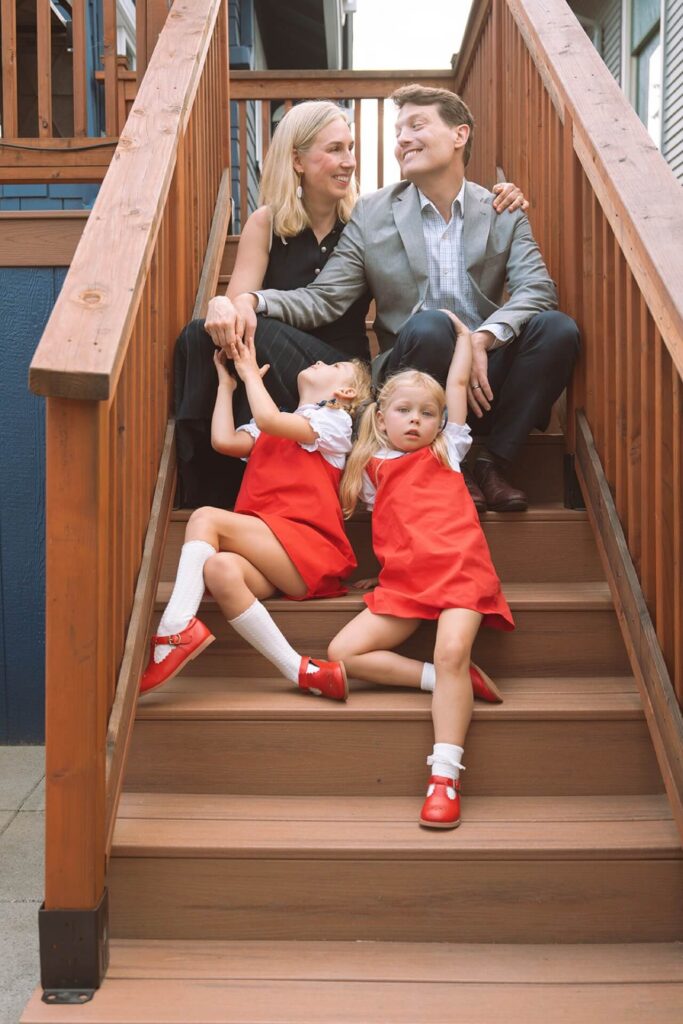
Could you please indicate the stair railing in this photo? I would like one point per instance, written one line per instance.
(607, 212)
(104, 365)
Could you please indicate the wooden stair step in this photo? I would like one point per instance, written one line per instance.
(269, 697)
(546, 544)
(260, 735)
(591, 595)
(562, 629)
(204, 826)
(361, 868)
(186, 982)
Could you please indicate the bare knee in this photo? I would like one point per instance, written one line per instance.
(339, 649)
(452, 654)
(223, 574)
(203, 519)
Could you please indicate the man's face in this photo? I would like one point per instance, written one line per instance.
(425, 144)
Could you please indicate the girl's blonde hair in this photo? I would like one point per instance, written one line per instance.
(297, 131)
(371, 436)
(362, 384)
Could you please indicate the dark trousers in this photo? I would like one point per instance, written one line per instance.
(204, 476)
(526, 376)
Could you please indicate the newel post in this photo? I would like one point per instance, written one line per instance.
(73, 920)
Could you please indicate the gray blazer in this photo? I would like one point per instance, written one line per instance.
(382, 249)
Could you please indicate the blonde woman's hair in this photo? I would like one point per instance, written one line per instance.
(371, 436)
(297, 131)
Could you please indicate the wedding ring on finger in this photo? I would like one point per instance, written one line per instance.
(476, 387)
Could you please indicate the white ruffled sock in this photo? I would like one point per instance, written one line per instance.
(445, 760)
(188, 591)
(257, 627)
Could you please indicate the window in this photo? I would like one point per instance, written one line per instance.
(644, 24)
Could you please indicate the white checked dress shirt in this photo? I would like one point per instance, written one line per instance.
(449, 286)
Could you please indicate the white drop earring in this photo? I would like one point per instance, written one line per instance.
(299, 191)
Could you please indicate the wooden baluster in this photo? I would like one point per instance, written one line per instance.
(112, 125)
(569, 263)
(663, 508)
(597, 340)
(80, 80)
(357, 136)
(10, 95)
(44, 62)
(633, 439)
(380, 143)
(677, 520)
(648, 405)
(620, 353)
(244, 198)
(608, 346)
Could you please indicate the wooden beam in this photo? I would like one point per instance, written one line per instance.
(64, 160)
(662, 712)
(36, 238)
(304, 85)
(80, 80)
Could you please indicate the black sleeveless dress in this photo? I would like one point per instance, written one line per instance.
(204, 476)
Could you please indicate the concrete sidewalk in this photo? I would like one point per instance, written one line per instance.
(22, 820)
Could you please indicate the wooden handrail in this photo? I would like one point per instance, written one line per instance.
(104, 363)
(607, 212)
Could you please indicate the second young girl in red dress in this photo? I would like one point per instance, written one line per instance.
(286, 533)
(435, 563)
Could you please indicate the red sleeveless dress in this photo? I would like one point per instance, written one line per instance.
(296, 493)
(429, 543)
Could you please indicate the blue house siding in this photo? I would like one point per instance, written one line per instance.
(28, 297)
(48, 197)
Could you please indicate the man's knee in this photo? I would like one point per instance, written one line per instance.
(430, 325)
(557, 333)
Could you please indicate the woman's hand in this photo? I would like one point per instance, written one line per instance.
(220, 322)
(245, 326)
(225, 378)
(244, 358)
(509, 197)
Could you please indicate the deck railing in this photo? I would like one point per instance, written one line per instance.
(40, 142)
(607, 212)
(104, 365)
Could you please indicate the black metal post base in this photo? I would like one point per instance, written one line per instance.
(573, 498)
(74, 952)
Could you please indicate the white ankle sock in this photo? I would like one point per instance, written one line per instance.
(188, 591)
(259, 629)
(428, 678)
(445, 760)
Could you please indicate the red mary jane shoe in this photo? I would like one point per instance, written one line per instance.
(441, 809)
(483, 687)
(328, 681)
(186, 645)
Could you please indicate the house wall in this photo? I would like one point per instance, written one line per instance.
(28, 298)
(672, 126)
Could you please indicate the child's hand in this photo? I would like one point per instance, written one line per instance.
(244, 358)
(367, 584)
(225, 378)
(459, 325)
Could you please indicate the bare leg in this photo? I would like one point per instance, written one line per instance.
(365, 646)
(235, 583)
(249, 537)
(452, 700)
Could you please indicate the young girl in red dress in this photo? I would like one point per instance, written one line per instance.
(435, 563)
(286, 533)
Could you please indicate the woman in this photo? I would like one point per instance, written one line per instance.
(308, 191)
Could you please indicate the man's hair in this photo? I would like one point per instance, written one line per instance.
(452, 110)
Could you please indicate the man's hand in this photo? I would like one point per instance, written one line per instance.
(509, 197)
(220, 321)
(479, 394)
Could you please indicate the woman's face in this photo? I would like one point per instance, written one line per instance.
(326, 168)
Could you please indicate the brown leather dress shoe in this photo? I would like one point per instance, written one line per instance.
(475, 494)
(500, 496)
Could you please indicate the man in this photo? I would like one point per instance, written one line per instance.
(430, 243)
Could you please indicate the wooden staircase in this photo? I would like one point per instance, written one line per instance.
(267, 864)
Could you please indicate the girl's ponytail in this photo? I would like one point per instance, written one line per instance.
(368, 442)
